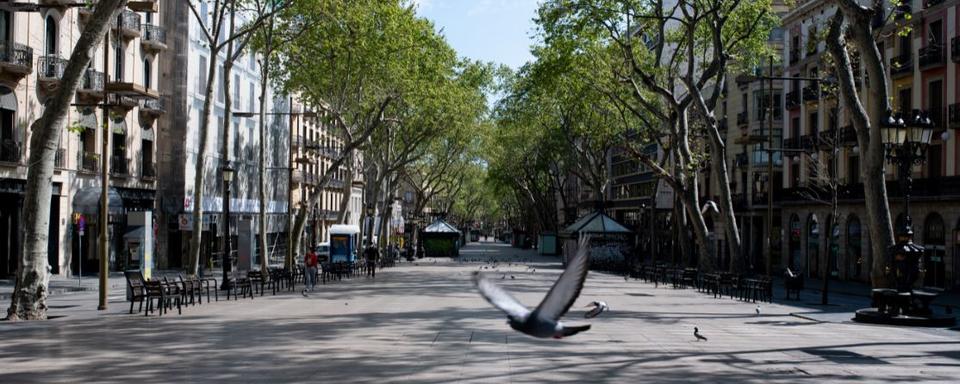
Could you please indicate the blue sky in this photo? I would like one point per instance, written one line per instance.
(490, 30)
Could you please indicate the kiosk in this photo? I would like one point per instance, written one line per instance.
(344, 240)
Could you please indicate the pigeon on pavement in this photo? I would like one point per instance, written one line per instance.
(598, 308)
(758, 309)
(696, 333)
(543, 321)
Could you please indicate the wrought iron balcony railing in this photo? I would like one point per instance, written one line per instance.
(16, 56)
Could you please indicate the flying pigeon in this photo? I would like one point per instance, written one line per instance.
(598, 308)
(696, 333)
(543, 321)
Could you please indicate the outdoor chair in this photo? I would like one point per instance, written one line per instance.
(138, 290)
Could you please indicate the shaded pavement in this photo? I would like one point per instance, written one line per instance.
(424, 323)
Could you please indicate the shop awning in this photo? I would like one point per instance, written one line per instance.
(87, 201)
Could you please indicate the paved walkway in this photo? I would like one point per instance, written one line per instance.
(425, 323)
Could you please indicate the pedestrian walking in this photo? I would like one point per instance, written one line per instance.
(310, 271)
(372, 254)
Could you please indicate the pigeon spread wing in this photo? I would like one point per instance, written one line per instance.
(565, 291)
(500, 298)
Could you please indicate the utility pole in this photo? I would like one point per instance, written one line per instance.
(288, 263)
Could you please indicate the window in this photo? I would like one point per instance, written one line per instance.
(814, 126)
(6, 23)
(202, 76)
(762, 105)
(203, 12)
(236, 91)
(904, 96)
(220, 90)
(118, 63)
(50, 36)
(250, 101)
(146, 158)
(147, 74)
(853, 169)
(935, 33)
(935, 100)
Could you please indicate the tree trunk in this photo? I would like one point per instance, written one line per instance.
(718, 161)
(262, 150)
(200, 165)
(29, 297)
(866, 120)
(347, 191)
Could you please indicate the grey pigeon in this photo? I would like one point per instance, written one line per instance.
(543, 321)
(696, 333)
(598, 308)
(758, 309)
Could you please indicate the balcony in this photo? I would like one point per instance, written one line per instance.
(901, 65)
(791, 143)
(15, 58)
(335, 184)
(811, 93)
(931, 56)
(848, 136)
(793, 100)
(128, 23)
(89, 162)
(60, 159)
(10, 151)
(119, 166)
(131, 90)
(91, 84)
(148, 171)
(953, 115)
(151, 108)
(154, 37)
(932, 3)
(808, 142)
(743, 118)
(740, 160)
(751, 136)
(50, 69)
(143, 5)
(759, 198)
(955, 49)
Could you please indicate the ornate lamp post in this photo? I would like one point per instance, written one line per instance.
(227, 173)
(906, 142)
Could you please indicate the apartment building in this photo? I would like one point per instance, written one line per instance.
(922, 68)
(314, 149)
(184, 83)
(117, 102)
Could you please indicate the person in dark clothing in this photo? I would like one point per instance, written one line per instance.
(372, 254)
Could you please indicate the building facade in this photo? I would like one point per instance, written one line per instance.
(922, 68)
(185, 82)
(118, 101)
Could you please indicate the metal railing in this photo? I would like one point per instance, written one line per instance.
(92, 81)
(931, 55)
(10, 151)
(129, 20)
(902, 64)
(119, 166)
(148, 170)
(793, 100)
(16, 54)
(59, 160)
(154, 34)
(51, 67)
(89, 161)
(153, 105)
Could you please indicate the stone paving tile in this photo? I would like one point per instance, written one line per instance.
(425, 323)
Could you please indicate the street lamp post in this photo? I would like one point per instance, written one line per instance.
(227, 173)
(370, 212)
(906, 143)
